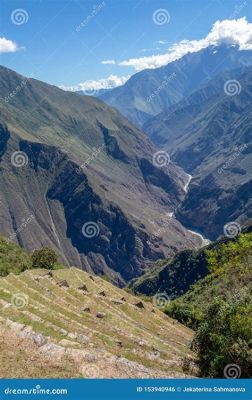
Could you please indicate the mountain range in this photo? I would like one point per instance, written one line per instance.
(151, 91)
(78, 177)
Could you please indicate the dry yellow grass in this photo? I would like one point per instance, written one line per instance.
(127, 341)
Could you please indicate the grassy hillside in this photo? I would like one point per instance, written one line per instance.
(220, 307)
(173, 276)
(230, 277)
(13, 258)
(98, 326)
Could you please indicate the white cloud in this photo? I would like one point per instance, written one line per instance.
(237, 32)
(7, 46)
(111, 62)
(95, 85)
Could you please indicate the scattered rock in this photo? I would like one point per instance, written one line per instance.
(63, 283)
(63, 332)
(119, 343)
(86, 309)
(8, 305)
(153, 355)
(72, 335)
(102, 293)
(49, 274)
(116, 302)
(26, 333)
(32, 316)
(15, 326)
(83, 288)
(39, 339)
(140, 304)
(100, 315)
(53, 350)
(68, 343)
(83, 339)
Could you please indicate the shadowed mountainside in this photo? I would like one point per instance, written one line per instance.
(83, 162)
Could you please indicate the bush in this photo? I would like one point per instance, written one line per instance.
(224, 338)
(44, 258)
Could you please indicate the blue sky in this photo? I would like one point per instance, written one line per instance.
(65, 42)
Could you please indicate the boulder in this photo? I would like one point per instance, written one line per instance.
(83, 339)
(53, 350)
(100, 315)
(49, 274)
(140, 304)
(39, 339)
(116, 302)
(102, 293)
(86, 309)
(83, 288)
(63, 283)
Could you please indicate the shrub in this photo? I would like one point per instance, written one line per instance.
(44, 258)
(224, 338)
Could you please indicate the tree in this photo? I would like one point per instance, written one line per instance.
(225, 337)
(44, 258)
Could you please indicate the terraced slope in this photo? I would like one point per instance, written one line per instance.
(103, 330)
